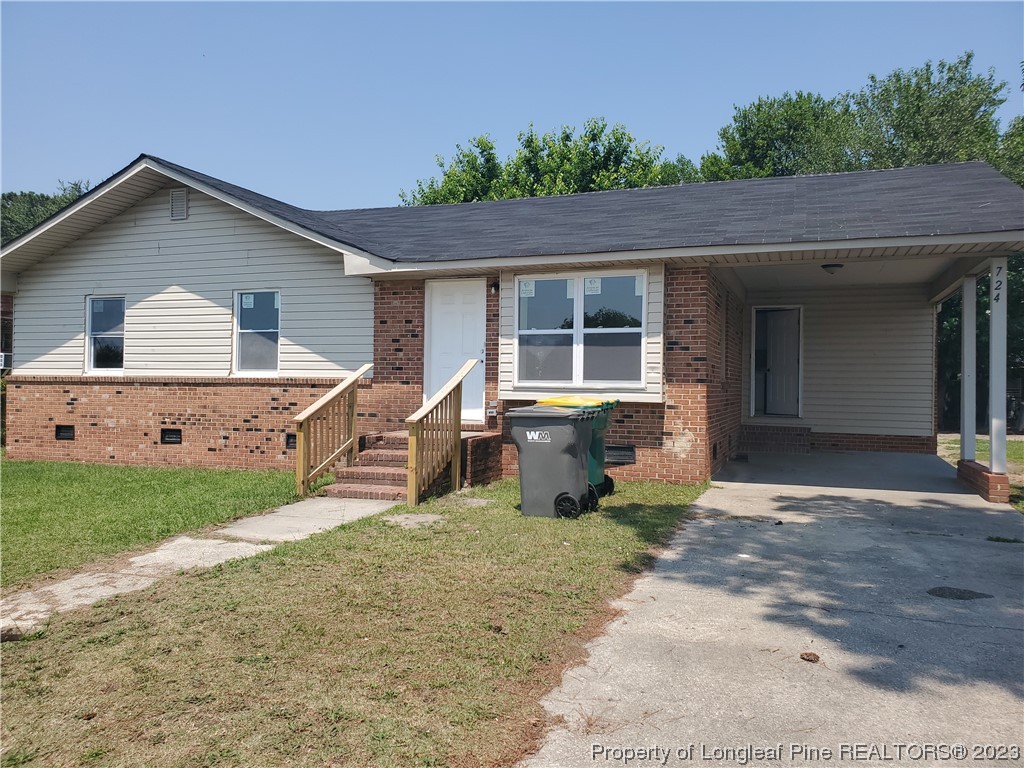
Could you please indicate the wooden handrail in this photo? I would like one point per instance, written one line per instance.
(435, 437)
(327, 430)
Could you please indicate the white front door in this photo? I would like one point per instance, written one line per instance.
(456, 322)
(782, 395)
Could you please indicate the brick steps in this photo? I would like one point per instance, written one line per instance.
(388, 440)
(359, 491)
(379, 472)
(372, 475)
(384, 457)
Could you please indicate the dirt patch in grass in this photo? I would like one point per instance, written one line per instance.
(367, 645)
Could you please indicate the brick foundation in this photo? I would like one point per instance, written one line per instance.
(481, 458)
(989, 485)
(224, 422)
(764, 438)
(836, 441)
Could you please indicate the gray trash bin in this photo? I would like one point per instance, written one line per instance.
(554, 445)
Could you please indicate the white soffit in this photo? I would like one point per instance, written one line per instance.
(852, 273)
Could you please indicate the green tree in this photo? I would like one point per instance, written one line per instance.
(940, 114)
(1009, 157)
(929, 114)
(554, 163)
(783, 136)
(20, 211)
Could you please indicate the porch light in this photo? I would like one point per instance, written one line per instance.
(831, 268)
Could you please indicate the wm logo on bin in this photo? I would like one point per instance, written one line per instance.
(538, 436)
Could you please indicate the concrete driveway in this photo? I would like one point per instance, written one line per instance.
(704, 666)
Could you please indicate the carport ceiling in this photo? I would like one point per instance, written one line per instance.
(888, 272)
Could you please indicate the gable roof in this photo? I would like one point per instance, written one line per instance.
(921, 201)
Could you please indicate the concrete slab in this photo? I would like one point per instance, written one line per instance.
(706, 655)
(302, 519)
(23, 611)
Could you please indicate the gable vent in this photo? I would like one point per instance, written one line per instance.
(179, 204)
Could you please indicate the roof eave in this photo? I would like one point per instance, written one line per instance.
(381, 268)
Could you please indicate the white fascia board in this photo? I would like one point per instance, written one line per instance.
(383, 267)
(277, 221)
(87, 199)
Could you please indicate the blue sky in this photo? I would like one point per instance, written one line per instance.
(335, 105)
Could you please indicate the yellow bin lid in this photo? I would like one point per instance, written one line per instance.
(573, 401)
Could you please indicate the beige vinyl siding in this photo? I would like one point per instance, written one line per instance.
(868, 365)
(653, 351)
(178, 279)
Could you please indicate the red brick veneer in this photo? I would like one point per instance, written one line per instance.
(837, 441)
(224, 422)
(989, 485)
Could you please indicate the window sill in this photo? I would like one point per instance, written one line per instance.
(608, 393)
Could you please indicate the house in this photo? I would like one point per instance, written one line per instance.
(171, 317)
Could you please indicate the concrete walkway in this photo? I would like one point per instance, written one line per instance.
(850, 557)
(21, 612)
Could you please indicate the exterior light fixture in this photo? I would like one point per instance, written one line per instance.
(831, 268)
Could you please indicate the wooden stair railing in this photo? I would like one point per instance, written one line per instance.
(435, 437)
(327, 430)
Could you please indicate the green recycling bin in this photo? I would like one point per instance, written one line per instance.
(604, 484)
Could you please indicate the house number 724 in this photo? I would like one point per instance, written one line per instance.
(997, 285)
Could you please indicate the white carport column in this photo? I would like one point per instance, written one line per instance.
(968, 367)
(997, 366)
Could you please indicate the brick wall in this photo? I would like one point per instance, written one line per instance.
(838, 441)
(990, 486)
(789, 439)
(224, 422)
(725, 358)
(757, 438)
(396, 389)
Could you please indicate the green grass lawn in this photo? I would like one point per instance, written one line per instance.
(366, 645)
(57, 514)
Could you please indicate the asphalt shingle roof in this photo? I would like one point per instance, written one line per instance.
(960, 198)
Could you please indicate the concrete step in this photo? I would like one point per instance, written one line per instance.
(384, 457)
(389, 440)
(361, 491)
(372, 475)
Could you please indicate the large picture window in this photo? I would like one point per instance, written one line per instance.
(106, 333)
(580, 330)
(258, 330)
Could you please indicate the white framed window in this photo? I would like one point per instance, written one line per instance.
(583, 329)
(257, 331)
(104, 321)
